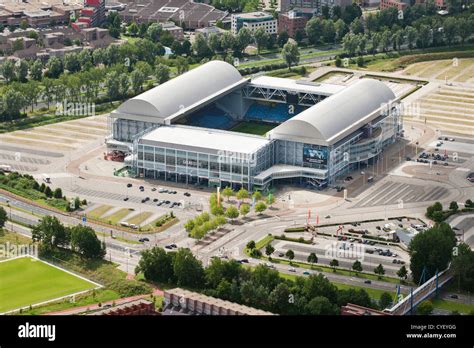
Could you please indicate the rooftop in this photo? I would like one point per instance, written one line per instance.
(204, 138)
(216, 301)
(296, 85)
(338, 116)
(254, 15)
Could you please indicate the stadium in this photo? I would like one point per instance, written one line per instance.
(213, 127)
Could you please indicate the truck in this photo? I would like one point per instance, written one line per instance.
(5, 168)
(46, 178)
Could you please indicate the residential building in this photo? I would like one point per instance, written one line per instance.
(291, 22)
(399, 5)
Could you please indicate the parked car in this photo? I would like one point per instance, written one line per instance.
(143, 240)
(368, 281)
(153, 189)
(291, 269)
(129, 185)
(125, 199)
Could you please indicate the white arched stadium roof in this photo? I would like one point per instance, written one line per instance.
(337, 116)
(183, 91)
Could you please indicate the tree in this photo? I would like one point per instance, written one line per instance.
(379, 270)
(8, 70)
(463, 265)
(48, 192)
(3, 217)
(424, 35)
(431, 249)
(357, 266)
(312, 259)
(133, 29)
(58, 193)
(227, 41)
(153, 32)
(425, 308)
(290, 255)
(341, 29)
(260, 207)
(232, 212)
(244, 209)
(36, 70)
(182, 64)
(314, 28)
(22, 71)
(465, 28)
(385, 40)
(451, 29)
(290, 54)
(299, 35)
(162, 73)
(18, 45)
(269, 250)
(114, 24)
(261, 37)
(320, 306)
(242, 194)
(454, 206)
(385, 300)
(350, 42)
(402, 273)
(334, 263)
(137, 78)
(54, 67)
(278, 299)
(12, 103)
(257, 195)
(156, 265)
(200, 47)
(227, 192)
(50, 232)
(85, 242)
(251, 245)
(71, 63)
(282, 38)
(188, 271)
(411, 35)
(214, 43)
(243, 39)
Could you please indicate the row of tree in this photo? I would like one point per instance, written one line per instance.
(260, 287)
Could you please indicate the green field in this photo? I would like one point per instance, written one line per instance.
(26, 281)
(253, 128)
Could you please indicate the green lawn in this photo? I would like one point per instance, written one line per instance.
(27, 281)
(253, 128)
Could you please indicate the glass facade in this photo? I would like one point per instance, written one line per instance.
(235, 169)
(192, 167)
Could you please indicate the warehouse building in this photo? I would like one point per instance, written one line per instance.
(235, 131)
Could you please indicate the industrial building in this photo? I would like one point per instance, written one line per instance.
(195, 129)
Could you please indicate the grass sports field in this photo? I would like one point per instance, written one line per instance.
(253, 128)
(26, 281)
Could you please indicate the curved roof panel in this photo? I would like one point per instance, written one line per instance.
(182, 91)
(331, 119)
